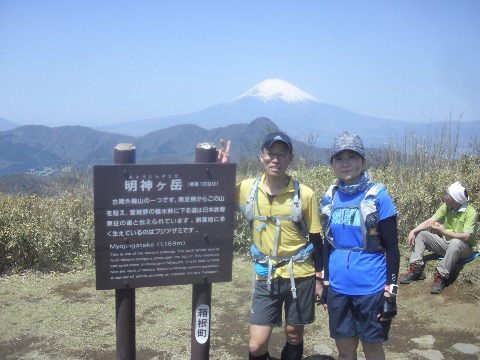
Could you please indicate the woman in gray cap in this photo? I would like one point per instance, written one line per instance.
(359, 222)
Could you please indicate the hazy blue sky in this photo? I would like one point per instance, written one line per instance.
(91, 62)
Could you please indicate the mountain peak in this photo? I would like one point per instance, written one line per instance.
(276, 89)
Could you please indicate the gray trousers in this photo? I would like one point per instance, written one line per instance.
(451, 250)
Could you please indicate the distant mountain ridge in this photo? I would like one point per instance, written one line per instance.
(272, 104)
(7, 124)
(39, 149)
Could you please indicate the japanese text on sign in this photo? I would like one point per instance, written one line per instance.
(169, 223)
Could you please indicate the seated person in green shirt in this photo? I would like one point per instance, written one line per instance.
(451, 232)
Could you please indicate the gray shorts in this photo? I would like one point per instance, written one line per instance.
(267, 305)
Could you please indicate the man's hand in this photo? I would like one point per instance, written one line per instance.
(437, 228)
(388, 308)
(321, 293)
(223, 154)
(411, 238)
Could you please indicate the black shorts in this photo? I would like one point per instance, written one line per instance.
(267, 305)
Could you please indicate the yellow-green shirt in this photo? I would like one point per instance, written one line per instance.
(462, 221)
(290, 239)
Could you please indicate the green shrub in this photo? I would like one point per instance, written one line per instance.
(57, 233)
(45, 233)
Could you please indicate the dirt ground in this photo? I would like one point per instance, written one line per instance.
(64, 317)
(450, 318)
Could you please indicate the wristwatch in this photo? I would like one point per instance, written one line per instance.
(391, 289)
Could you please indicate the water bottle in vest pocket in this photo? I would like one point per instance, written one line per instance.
(370, 218)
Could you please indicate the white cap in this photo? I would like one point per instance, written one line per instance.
(458, 193)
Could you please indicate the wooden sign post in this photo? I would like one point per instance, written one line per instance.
(125, 298)
(160, 225)
(202, 293)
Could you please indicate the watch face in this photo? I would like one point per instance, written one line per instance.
(392, 289)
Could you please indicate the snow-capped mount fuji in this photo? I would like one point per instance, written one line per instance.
(285, 104)
(301, 115)
(277, 90)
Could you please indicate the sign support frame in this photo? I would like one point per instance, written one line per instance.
(202, 293)
(125, 298)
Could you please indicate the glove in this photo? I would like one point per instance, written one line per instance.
(388, 309)
(324, 294)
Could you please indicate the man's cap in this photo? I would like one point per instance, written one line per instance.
(347, 141)
(458, 193)
(277, 136)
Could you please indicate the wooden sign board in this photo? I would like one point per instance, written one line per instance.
(158, 225)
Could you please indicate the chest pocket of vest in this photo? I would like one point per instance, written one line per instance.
(366, 217)
(366, 211)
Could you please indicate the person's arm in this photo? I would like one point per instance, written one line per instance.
(438, 229)
(318, 258)
(317, 241)
(321, 254)
(468, 229)
(427, 224)
(388, 229)
(389, 233)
